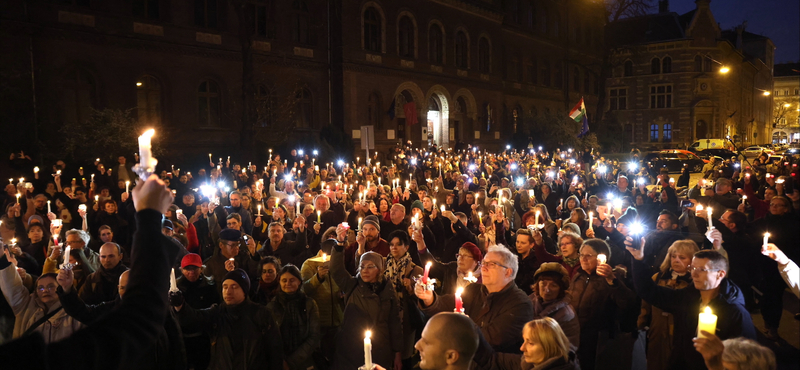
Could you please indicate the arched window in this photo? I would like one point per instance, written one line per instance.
(627, 70)
(558, 76)
(146, 9)
(666, 65)
(300, 15)
(513, 69)
(576, 79)
(487, 113)
(372, 30)
(208, 104)
(266, 106)
(707, 64)
(435, 44)
(374, 110)
(205, 13)
(462, 50)
(698, 64)
(667, 132)
(304, 117)
(461, 105)
(77, 96)
(654, 133)
(655, 66)
(484, 55)
(546, 76)
(148, 100)
(406, 37)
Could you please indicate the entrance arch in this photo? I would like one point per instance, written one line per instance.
(407, 92)
(701, 128)
(438, 116)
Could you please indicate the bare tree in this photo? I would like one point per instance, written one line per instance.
(619, 9)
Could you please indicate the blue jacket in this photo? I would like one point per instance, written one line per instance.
(733, 320)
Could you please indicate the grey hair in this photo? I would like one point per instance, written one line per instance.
(80, 233)
(748, 354)
(510, 259)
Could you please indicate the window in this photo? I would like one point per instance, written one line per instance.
(654, 133)
(666, 65)
(530, 18)
(797, 91)
(461, 105)
(655, 66)
(618, 99)
(515, 69)
(205, 13)
(435, 44)
(484, 55)
(208, 104)
(627, 70)
(487, 111)
(533, 72)
(264, 17)
(776, 93)
(304, 117)
(661, 96)
(554, 30)
(148, 100)
(300, 15)
(668, 133)
(546, 77)
(77, 96)
(147, 9)
(513, 7)
(266, 106)
(698, 64)
(374, 112)
(558, 75)
(542, 21)
(576, 79)
(786, 92)
(372, 30)
(406, 38)
(707, 64)
(462, 50)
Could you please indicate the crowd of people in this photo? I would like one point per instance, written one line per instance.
(465, 258)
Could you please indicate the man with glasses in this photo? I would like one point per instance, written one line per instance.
(710, 289)
(228, 258)
(496, 305)
(729, 238)
(39, 311)
(233, 204)
(78, 239)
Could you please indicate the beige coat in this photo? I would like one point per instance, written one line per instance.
(28, 309)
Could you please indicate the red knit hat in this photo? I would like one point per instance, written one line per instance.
(474, 250)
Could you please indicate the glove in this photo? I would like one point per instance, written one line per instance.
(176, 299)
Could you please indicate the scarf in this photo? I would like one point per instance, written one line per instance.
(572, 261)
(394, 270)
(294, 327)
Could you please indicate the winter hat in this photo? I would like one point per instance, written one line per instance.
(554, 271)
(231, 235)
(371, 220)
(418, 204)
(373, 257)
(241, 278)
(572, 228)
(35, 219)
(474, 250)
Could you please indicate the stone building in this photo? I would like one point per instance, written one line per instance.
(786, 113)
(473, 69)
(679, 78)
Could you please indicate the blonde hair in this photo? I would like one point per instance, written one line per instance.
(748, 354)
(548, 333)
(686, 247)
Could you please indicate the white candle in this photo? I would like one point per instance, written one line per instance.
(359, 223)
(766, 240)
(127, 184)
(744, 198)
(707, 322)
(319, 217)
(709, 212)
(601, 259)
(173, 283)
(297, 211)
(324, 257)
(259, 210)
(48, 206)
(591, 218)
(368, 350)
(145, 149)
(18, 198)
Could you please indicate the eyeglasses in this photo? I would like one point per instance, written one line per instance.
(49, 288)
(368, 267)
(587, 256)
(232, 245)
(692, 269)
(491, 264)
(75, 242)
(459, 255)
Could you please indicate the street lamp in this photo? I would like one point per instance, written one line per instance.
(766, 93)
(724, 69)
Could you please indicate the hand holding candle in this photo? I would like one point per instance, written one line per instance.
(426, 272)
(173, 283)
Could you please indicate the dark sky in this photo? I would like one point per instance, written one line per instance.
(777, 19)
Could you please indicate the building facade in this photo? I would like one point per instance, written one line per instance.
(786, 111)
(425, 71)
(678, 79)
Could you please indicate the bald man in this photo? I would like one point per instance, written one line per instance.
(101, 285)
(448, 341)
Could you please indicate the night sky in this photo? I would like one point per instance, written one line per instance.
(777, 19)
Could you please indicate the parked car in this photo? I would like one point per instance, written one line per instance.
(705, 144)
(674, 160)
(723, 153)
(755, 151)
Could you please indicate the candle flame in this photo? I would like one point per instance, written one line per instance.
(707, 310)
(699, 207)
(428, 265)
(459, 291)
(368, 334)
(767, 235)
(149, 133)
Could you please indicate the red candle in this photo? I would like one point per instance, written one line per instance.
(425, 274)
(459, 301)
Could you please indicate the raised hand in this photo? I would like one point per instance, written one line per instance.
(65, 278)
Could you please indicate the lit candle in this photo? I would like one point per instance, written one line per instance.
(601, 259)
(55, 239)
(18, 198)
(425, 273)
(209, 157)
(359, 223)
(319, 217)
(459, 302)
(368, 350)
(145, 150)
(96, 198)
(591, 218)
(470, 278)
(709, 211)
(766, 240)
(127, 184)
(48, 206)
(259, 210)
(65, 263)
(480, 217)
(173, 283)
(561, 202)
(442, 208)
(744, 198)
(707, 322)
(36, 169)
(92, 177)
(297, 210)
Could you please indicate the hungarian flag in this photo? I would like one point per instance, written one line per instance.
(578, 113)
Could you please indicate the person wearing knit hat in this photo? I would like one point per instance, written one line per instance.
(417, 204)
(370, 267)
(230, 294)
(372, 220)
(368, 239)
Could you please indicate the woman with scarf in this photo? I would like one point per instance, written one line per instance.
(550, 299)
(455, 274)
(659, 324)
(268, 284)
(569, 244)
(297, 316)
(400, 272)
(370, 305)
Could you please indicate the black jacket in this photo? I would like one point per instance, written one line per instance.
(733, 320)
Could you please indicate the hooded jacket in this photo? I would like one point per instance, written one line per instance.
(561, 311)
(733, 320)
